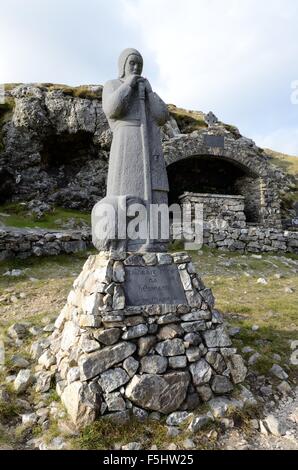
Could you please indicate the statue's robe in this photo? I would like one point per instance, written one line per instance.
(122, 106)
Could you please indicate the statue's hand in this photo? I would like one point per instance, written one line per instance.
(132, 80)
(147, 86)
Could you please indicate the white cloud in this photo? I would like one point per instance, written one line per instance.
(237, 58)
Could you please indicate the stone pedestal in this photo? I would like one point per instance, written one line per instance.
(140, 333)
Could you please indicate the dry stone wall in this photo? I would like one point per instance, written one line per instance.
(22, 243)
(112, 360)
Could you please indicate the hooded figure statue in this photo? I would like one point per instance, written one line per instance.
(137, 168)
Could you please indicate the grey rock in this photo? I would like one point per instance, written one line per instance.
(47, 359)
(201, 372)
(22, 380)
(247, 350)
(234, 331)
(164, 258)
(194, 299)
(95, 363)
(169, 332)
(216, 361)
(118, 298)
(217, 318)
(154, 364)
(114, 402)
(284, 388)
(177, 362)
(274, 426)
(139, 413)
(70, 335)
(178, 417)
(43, 381)
(197, 315)
(135, 332)
(278, 372)
(185, 279)
(150, 259)
(118, 272)
(134, 260)
(221, 384)
(199, 422)
(17, 331)
(193, 354)
(193, 327)
(170, 347)
(130, 365)
(154, 416)
(254, 358)
(73, 374)
(204, 392)
(193, 339)
(167, 319)
(29, 419)
(263, 429)
(38, 348)
(238, 369)
(247, 397)
(132, 446)
(87, 344)
(217, 338)
(159, 393)
(112, 379)
(145, 344)
(294, 345)
(220, 406)
(20, 362)
(82, 402)
(276, 357)
(294, 358)
(108, 337)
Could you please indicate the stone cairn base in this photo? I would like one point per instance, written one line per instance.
(116, 361)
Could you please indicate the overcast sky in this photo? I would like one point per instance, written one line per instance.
(237, 58)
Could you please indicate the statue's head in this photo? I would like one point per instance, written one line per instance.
(130, 63)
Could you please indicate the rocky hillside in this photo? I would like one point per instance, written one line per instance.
(55, 141)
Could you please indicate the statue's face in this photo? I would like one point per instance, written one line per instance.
(133, 65)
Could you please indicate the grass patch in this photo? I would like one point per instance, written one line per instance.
(16, 215)
(188, 121)
(82, 91)
(103, 434)
(286, 162)
(8, 411)
(245, 303)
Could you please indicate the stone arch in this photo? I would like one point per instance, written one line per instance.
(255, 177)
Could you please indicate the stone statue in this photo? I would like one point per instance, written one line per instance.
(137, 170)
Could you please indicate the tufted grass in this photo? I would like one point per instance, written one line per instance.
(188, 121)
(16, 215)
(289, 163)
(82, 91)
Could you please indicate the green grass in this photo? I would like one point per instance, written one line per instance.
(245, 303)
(16, 215)
(289, 163)
(81, 91)
(188, 121)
